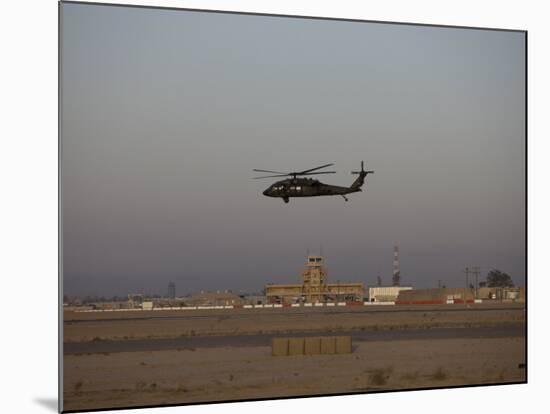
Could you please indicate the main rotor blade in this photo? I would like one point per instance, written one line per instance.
(320, 172)
(316, 168)
(274, 172)
(270, 176)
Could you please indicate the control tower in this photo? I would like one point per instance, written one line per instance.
(314, 287)
(314, 279)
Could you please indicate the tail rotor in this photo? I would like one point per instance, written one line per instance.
(363, 172)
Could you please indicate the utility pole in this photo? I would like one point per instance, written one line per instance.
(467, 271)
(474, 270)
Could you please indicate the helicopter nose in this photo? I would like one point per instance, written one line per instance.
(266, 192)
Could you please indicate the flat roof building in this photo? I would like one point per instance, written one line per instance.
(214, 299)
(385, 293)
(314, 287)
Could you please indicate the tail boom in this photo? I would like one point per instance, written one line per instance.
(358, 183)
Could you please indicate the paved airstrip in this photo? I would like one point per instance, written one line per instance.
(162, 344)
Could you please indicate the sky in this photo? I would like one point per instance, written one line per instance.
(166, 112)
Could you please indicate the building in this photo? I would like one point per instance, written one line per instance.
(436, 296)
(460, 295)
(509, 294)
(214, 299)
(385, 293)
(314, 287)
(135, 300)
(171, 290)
(253, 299)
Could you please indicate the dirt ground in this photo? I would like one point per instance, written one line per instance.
(165, 324)
(217, 374)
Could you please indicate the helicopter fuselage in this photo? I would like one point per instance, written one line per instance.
(308, 187)
(305, 187)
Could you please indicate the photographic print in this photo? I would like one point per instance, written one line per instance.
(259, 206)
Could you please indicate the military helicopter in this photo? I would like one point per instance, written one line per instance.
(308, 187)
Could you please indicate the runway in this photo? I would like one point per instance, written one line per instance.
(75, 318)
(91, 347)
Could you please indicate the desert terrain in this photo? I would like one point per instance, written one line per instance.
(171, 357)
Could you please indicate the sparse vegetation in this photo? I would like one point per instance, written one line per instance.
(496, 278)
(379, 377)
(439, 374)
(410, 377)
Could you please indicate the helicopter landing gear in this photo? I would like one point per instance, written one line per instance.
(345, 198)
(285, 199)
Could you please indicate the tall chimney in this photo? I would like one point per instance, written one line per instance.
(396, 278)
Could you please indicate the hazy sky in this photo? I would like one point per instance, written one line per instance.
(165, 113)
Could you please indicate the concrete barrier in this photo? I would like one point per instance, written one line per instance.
(311, 345)
(279, 346)
(328, 345)
(378, 303)
(296, 346)
(343, 344)
(419, 302)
